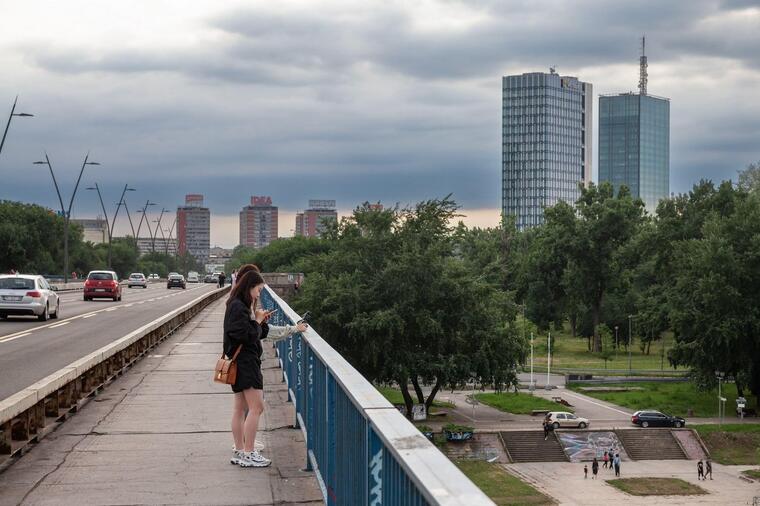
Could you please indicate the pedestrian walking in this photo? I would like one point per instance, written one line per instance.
(546, 430)
(617, 464)
(611, 453)
(700, 471)
(585, 471)
(594, 468)
(222, 279)
(605, 458)
(708, 469)
(242, 336)
(233, 276)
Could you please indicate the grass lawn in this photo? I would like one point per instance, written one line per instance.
(732, 444)
(656, 486)
(519, 403)
(499, 485)
(572, 353)
(674, 398)
(752, 473)
(394, 397)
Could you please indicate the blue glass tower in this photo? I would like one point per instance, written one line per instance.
(546, 143)
(634, 145)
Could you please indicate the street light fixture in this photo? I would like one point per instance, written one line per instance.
(10, 117)
(142, 211)
(64, 211)
(105, 216)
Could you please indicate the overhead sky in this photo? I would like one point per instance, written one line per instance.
(391, 101)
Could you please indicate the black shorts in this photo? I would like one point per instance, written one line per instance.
(248, 376)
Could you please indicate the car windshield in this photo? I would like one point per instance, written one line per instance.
(101, 276)
(16, 284)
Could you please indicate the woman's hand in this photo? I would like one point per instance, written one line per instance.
(261, 315)
(301, 327)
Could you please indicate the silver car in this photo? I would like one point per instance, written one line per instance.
(137, 279)
(23, 294)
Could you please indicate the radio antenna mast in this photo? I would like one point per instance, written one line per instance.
(643, 68)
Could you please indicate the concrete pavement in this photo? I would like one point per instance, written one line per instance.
(160, 435)
(565, 483)
(82, 328)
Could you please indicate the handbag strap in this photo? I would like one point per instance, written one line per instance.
(237, 352)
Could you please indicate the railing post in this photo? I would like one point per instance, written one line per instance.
(309, 411)
(374, 475)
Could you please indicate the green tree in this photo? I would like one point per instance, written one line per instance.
(281, 255)
(749, 178)
(395, 300)
(714, 302)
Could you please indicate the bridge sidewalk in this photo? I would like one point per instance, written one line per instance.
(160, 435)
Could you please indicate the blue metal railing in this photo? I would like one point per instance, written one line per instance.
(362, 450)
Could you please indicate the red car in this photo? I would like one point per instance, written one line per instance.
(102, 285)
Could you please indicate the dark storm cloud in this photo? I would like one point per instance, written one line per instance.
(363, 103)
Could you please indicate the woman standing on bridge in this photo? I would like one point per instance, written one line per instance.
(244, 332)
(275, 331)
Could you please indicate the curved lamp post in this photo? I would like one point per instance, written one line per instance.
(10, 117)
(64, 211)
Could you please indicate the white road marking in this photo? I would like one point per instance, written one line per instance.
(585, 399)
(15, 337)
(59, 325)
(112, 309)
(89, 316)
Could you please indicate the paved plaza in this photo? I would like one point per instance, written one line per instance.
(565, 483)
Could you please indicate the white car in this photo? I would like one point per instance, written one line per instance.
(137, 279)
(22, 294)
(565, 419)
(153, 277)
(192, 277)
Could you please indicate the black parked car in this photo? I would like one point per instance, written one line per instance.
(651, 418)
(176, 280)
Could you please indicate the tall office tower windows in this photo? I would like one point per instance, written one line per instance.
(546, 143)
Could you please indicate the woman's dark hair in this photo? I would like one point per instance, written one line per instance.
(247, 268)
(243, 286)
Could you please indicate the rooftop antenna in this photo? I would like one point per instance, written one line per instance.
(643, 68)
(553, 69)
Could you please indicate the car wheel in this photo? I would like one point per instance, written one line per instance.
(582, 425)
(645, 424)
(57, 310)
(555, 425)
(678, 425)
(44, 316)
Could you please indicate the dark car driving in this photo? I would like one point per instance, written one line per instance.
(651, 418)
(176, 281)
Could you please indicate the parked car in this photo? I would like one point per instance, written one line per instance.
(137, 279)
(192, 277)
(102, 285)
(176, 280)
(211, 278)
(153, 277)
(22, 294)
(652, 418)
(566, 419)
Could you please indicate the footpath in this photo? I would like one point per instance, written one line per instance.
(160, 435)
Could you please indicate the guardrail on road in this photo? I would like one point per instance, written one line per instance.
(31, 413)
(361, 448)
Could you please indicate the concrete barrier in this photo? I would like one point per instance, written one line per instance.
(28, 415)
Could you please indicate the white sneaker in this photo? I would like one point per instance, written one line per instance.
(253, 459)
(236, 456)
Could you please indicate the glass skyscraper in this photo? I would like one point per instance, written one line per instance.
(634, 145)
(546, 143)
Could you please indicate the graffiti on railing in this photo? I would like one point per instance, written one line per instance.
(375, 471)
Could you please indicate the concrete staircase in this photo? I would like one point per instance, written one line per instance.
(529, 446)
(650, 444)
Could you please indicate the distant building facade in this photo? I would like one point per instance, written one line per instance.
(546, 143)
(95, 230)
(312, 222)
(194, 228)
(258, 223)
(164, 245)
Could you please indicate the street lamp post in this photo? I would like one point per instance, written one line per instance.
(126, 210)
(64, 211)
(105, 215)
(616, 341)
(630, 318)
(113, 222)
(155, 233)
(10, 117)
(143, 211)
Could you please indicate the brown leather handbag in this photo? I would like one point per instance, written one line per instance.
(226, 369)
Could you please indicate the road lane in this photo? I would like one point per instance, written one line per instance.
(72, 304)
(38, 350)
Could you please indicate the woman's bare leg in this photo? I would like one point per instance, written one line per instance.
(255, 401)
(238, 414)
